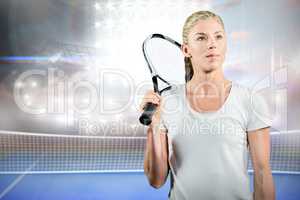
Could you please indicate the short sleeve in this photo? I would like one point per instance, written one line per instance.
(259, 112)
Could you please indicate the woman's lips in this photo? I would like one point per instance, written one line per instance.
(212, 55)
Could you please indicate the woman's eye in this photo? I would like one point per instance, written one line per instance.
(201, 38)
(219, 36)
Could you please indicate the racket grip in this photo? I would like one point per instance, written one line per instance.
(146, 117)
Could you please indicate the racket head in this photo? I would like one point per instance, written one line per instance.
(165, 61)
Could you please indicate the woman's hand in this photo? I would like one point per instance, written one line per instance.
(155, 98)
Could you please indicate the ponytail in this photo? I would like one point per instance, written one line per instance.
(189, 72)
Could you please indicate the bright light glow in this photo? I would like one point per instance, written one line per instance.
(28, 103)
(55, 57)
(97, 6)
(206, 6)
(26, 96)
(86, 100)
(61, 119)
(19, 84)
(109, 23)
(102, 121)
(98, 44)
(43, 110)
(118, 116)
(33, 84)
(280, 99)
(97, 24)
(133, 126)
(110, 6)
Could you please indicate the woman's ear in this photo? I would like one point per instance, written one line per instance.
(185, 50)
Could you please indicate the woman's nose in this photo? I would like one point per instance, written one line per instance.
(211, 43)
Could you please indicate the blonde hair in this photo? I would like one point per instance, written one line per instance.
(189, 23)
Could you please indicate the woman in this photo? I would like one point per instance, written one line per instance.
(201, 131)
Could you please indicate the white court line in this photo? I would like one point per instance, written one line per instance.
(68, 136)
(285, 132)
(3, 132)
(118, 171)
(77, 172)
(251, 171)
(16, 181)
(12, 185)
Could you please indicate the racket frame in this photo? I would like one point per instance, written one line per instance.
(154, 75)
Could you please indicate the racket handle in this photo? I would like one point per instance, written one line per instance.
(146, 117)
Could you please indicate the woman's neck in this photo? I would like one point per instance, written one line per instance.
(208, 83)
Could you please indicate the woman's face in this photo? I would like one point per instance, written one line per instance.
(206, 45)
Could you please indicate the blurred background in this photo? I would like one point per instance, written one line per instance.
(72, 74)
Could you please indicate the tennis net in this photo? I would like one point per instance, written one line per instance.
(49, 153)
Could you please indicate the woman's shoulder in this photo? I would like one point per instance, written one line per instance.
(248, 91)
(241, 89)
(251, 96)
(242, 94)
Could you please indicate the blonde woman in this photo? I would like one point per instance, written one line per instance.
(202, 130)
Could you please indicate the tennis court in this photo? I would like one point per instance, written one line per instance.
(41, 166)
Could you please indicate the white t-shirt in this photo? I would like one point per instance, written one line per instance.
(208, 151)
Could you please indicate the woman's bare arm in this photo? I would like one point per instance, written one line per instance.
(156, 152)
(259, 143)
(156, 158)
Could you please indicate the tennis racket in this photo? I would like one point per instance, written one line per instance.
(165, 62)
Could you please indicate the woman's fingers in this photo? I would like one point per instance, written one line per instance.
(150, 97)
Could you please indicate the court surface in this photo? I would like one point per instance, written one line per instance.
(108, 186)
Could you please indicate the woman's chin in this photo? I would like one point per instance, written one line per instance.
(210, 69)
